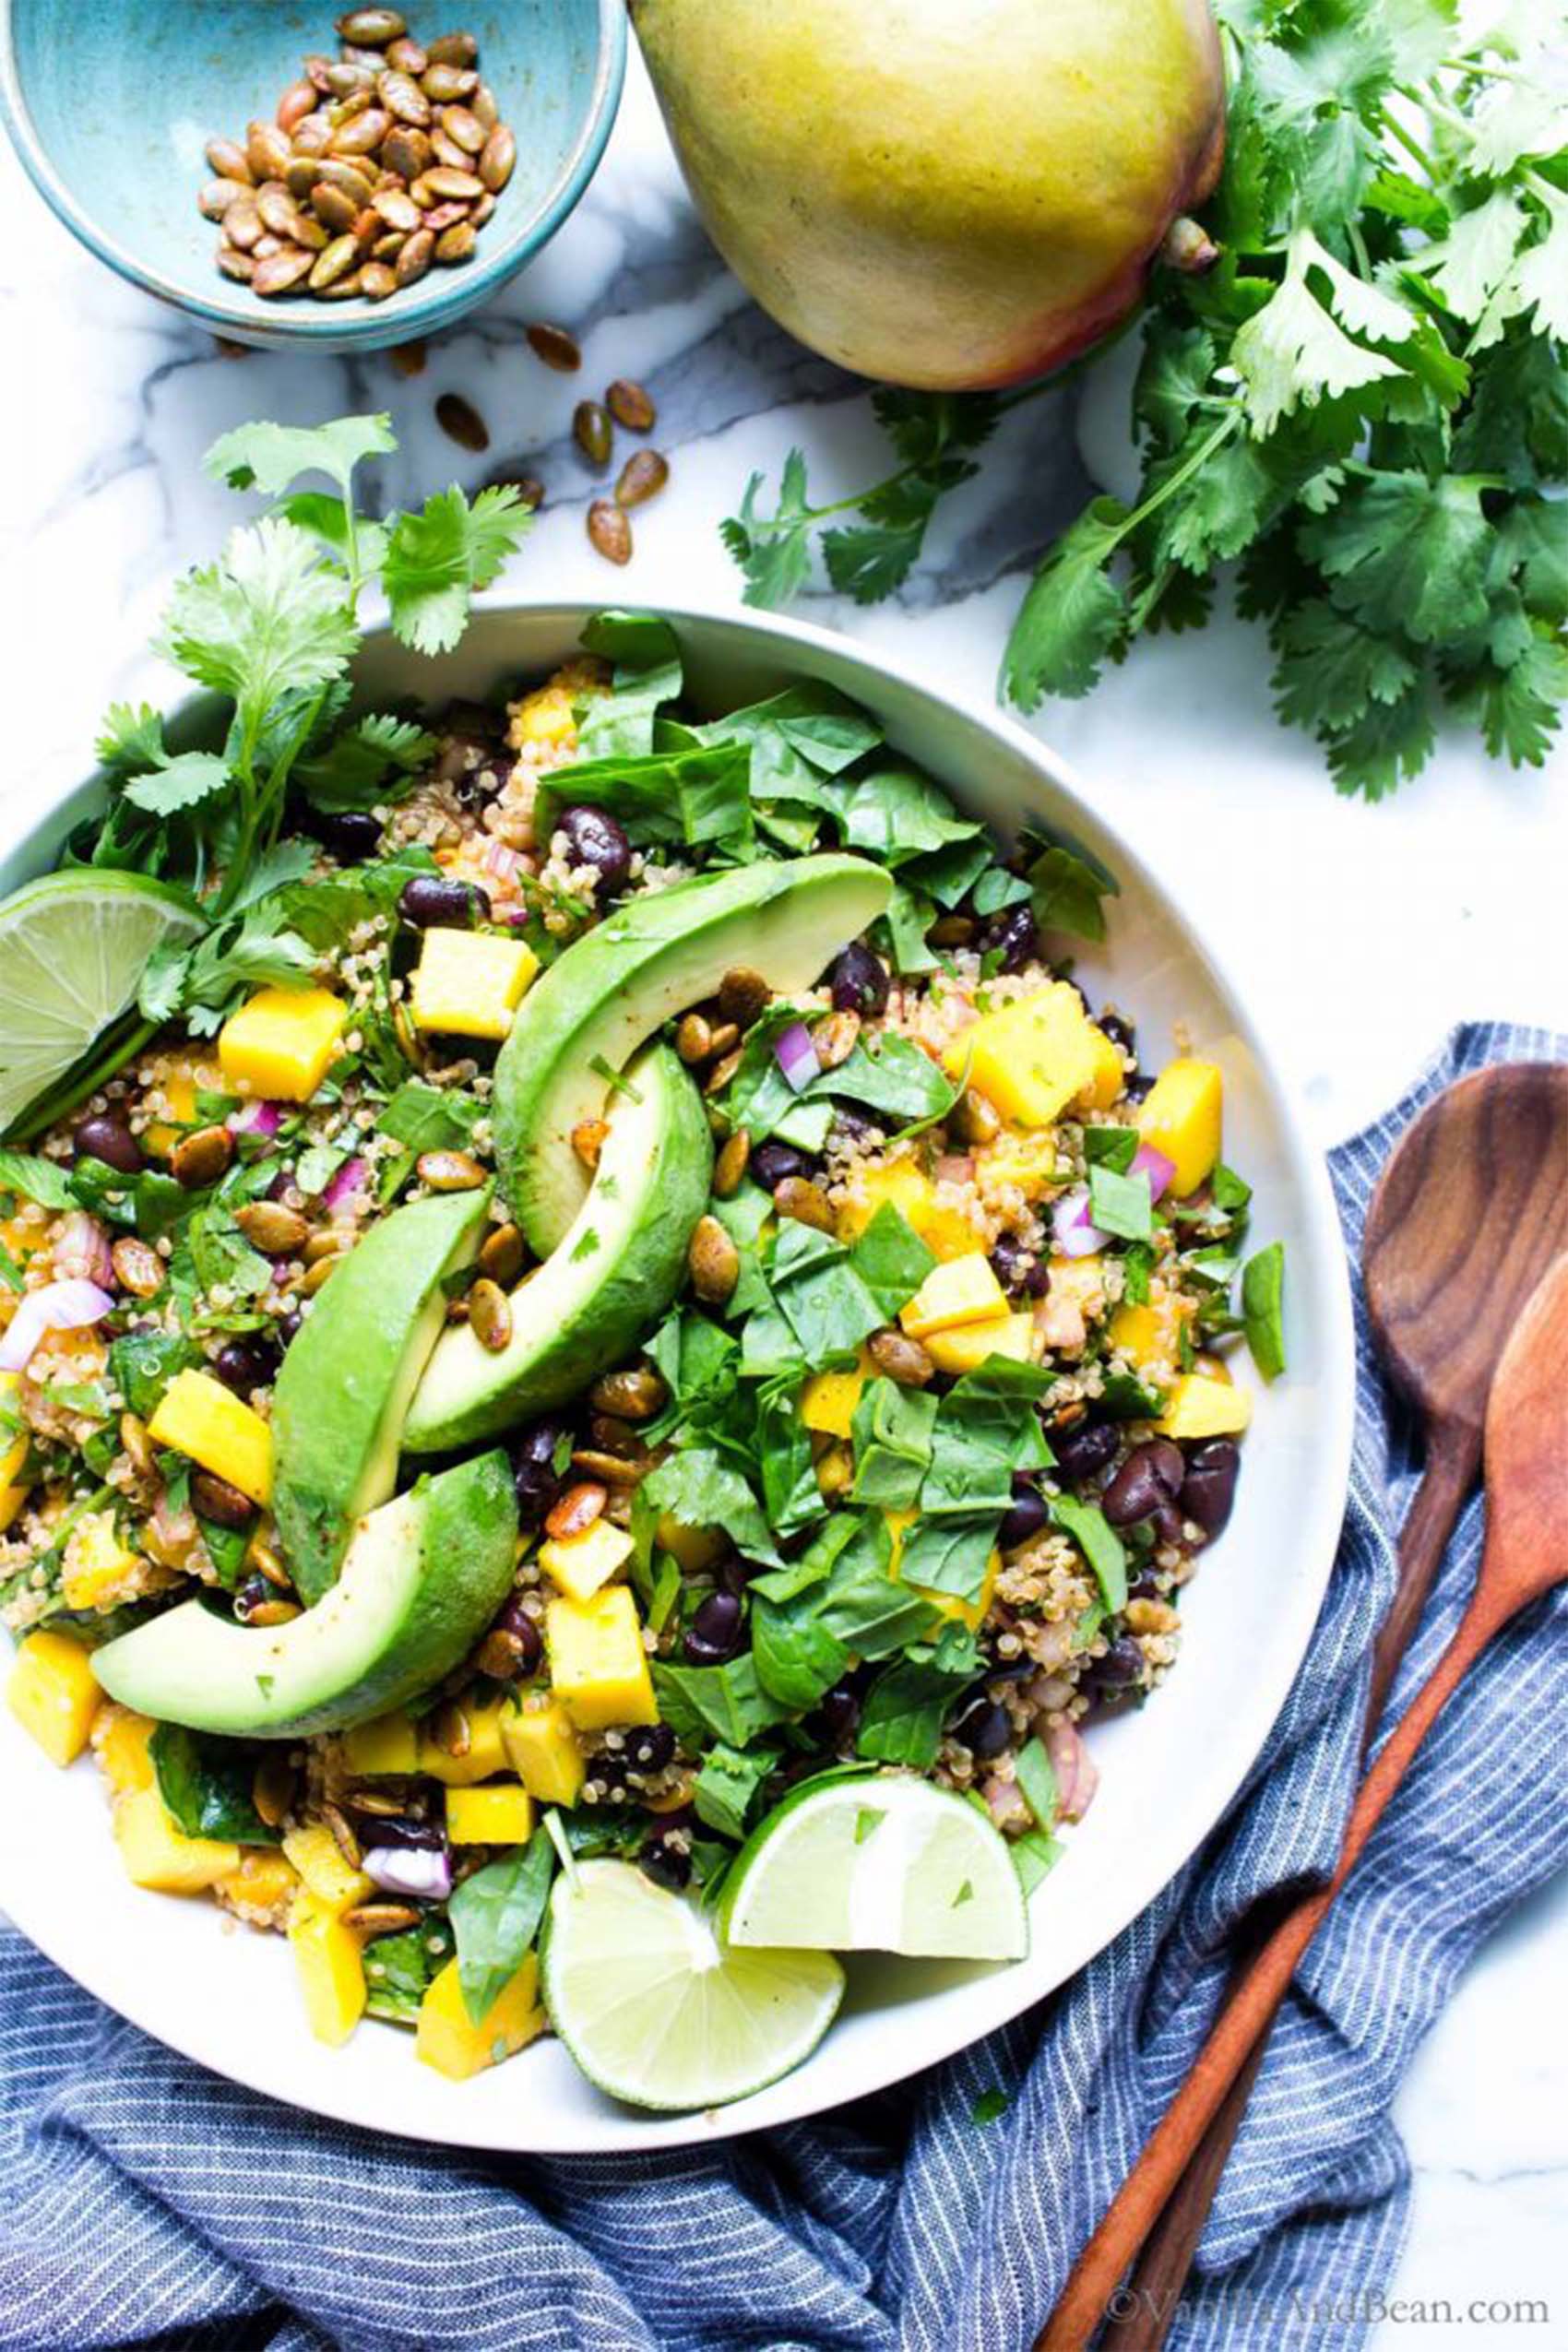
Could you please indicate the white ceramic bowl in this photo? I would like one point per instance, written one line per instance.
(227, 1997)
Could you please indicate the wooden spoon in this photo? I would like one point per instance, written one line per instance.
(1469, 1212)
(1472, 1205)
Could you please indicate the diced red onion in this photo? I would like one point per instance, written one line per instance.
(59, 1306)
(262, 1118)
(425, 1873)
(1005, 1801)
(1153, 1164)
(796, 1055)
(1072, 1228)
(346, 1185)
(1076, 1775)
(81, 1251)
(500, 861)
(956, 1168)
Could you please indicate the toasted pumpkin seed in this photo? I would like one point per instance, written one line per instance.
(414, 259)
(241, 224)
(642, 477)
(693, 1037)
(463, 128)
(364, 135)
(627, 401)
(714, 1261)
(575, 1511)
(378, 280)
(442, 216)
(482, 106)
(336, 211)
(591, 432)
(266, 150)
(723, 1070)
(404, 99)
(137, 1442)
(331, 264)
(446, 152)
(452, 49)
(408, 151)
(445, 181)
(371, 27)
(137, 1268)
(297, 102)
(406, 55)
(312, 137)
(732, 1164)
(588, 1140)
(272, 1790)
(283, 271)
(382, 1918)
(554, 345)
(833, 1039)
(744, 996)
(336, 171)
(279, 211)
(448, 85)
(268, 1226)
(460, 421)
(202, 1157)
(228, 161)
(501, 1254)
(901, 1358)
(398, 209)
(634, 1394)
(449, 1171)
(457, 243)
(218, 196)
(490, 1316)
(235, 264)
(800, 1197)
(610, 534)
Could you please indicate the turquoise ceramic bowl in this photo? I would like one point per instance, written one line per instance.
(109, 104)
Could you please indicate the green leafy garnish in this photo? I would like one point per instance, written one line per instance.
(1263, 1308)
(495, 1916)
(206, 1786)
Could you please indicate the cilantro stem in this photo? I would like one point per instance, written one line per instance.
(1411, 145)
(1185, 472)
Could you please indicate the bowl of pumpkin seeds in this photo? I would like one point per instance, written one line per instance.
(289, 175)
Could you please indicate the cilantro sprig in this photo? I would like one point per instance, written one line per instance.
(1352, 381)
(272, 628)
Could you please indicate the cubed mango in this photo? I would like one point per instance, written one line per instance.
(468, 983)
(966, 1612)
(198, 1416)
(544, 1752)
(1024, 1163)
(97, 1564)
(331, 1969)
(281, 1043)
(1200, 1406)
(580, 1564)
(500, 1814)
(1183, 1116)
(944, 1230)
(598, 1664)
(330, 1879)
(960, 1291)
(543, 717)
(829, 1399)
(14, 1452)
(264, 1881)
(963, 1348)
(122, 1746)
(448, 2039)
(1033, 1057)
(388, 1743)
(53, 1695)
(159, 1855)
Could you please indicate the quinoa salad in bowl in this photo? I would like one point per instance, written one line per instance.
(606, 1365)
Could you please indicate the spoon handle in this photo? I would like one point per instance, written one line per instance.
(1452, 1460)
(1249, 2004)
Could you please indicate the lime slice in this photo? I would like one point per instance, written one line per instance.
(878, 1862)
(658, 2011)
(73, 948)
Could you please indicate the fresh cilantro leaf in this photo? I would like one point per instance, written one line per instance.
(1074, 614)
(697, 1487)
(374, 759)
(438, 558)
(774, 551)
(264, 622)
(1069, 891)
(1404, 552)
(1330, 669)
(425, 1117)
(271, 458)
(44, 1180)
(727, 1786)
(179, 783)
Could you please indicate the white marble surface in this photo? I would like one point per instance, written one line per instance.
(1362, 933)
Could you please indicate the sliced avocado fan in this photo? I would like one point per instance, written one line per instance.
(651, 959)
(612, 1276)
(422, 1577)
(338, 1407)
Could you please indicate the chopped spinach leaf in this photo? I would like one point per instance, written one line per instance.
(206, 1786)
(1100, 1545)
(1263, 1308)
(495, 1916)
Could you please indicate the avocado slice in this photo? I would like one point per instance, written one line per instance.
(423, 1578)
(617, 1268)
(338, 1406)
(785, 918)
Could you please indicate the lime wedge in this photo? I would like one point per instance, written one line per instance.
(658, 2011)
(878, 1862)
(73, 948)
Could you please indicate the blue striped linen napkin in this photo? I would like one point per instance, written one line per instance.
(147, 2202)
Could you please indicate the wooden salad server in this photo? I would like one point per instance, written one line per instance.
(1471, 1209)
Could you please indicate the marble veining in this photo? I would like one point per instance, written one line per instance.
(1361, 933)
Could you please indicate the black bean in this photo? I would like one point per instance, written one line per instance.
(1147, 1487)
(433, 899)
(1121, 1665)
(649, 1748)
(1019, 1270)
(837, 1717)
(404, 1833)
(717, 1630)
(1028, 1516)
(483, 721)
(859, 980)
(1138, 1084)
(986, 1730)
(1209, 1489)
(351, 835)
(515, 1619)
(251, 1595)
(1085, 1449)
(534, 1473)
(248, 1363)
(595, 840)
(665, 1864)
(772, 1162)
(107, 1137)
(1013, 933)
(1119, 1032)
(289, 1326)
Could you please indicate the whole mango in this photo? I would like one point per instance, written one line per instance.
(947, 194)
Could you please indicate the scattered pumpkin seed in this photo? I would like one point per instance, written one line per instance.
(490, 1316)
(901, 1358)
(628, 403)
(404, 99)
(743, 997)
(461, 422)
(693, 1037)
(449, 1171)
(642, 477)
(730, 1165)
(371, 27)
(218, 1501)
(635, 1394)
(609, 532)
(453, 49)
(590, 431)
(714, 1261)
(268, 1226)
(200, 1159)
(573, 1513)
(137, 1268)
(406, 57)
(554, 345)
(330, 265)
(804, 1200)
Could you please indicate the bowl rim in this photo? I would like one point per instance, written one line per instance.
(1003, 1994)
(332, 327)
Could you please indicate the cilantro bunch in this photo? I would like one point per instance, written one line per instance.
(1353, 381)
